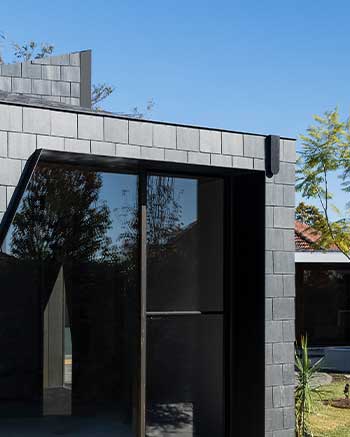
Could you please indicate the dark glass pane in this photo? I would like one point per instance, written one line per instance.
(185, 244)
(69, 314)
(323, 304)
(185, 376)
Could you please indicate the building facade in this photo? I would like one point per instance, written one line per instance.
(198, 228)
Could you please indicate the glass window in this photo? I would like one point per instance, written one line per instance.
(323, 304)
(185, 244)
(185, 394)
(70, 307)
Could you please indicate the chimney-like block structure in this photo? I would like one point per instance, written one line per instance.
(64, 78)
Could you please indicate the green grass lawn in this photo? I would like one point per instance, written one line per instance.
(328, 421)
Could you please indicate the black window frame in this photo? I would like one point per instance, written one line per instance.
(244, 273)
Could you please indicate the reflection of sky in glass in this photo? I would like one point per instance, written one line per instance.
(119, 191)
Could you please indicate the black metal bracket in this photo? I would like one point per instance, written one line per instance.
(272, 155)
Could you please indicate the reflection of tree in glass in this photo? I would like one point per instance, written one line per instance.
(164, 213)
(60, 217)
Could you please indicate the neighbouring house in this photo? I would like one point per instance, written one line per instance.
(322, 299)
(147, 268)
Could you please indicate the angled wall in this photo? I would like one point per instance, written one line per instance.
(64, 79)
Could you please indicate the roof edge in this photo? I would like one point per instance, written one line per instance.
(78, 109)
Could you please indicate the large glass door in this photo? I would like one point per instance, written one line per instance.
(184, 328)
(112, 315)
(70, 312)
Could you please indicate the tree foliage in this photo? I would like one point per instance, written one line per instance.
(99, 92)
(31, 50)
(325, 157)
(60, 217)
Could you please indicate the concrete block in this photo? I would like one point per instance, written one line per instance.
(9, 194)
(43, 87)
(75, 101)
(289, 285)
(274, 332)
(74, 59)
(140, 133)
(116, 130)
(3, 204)
(90, 127)
(254, 146)
(20, 145)
(269, 217)
(5, 84)
(289, 417)
(187, 138)
(286, 174)
(240, 162)
(65, 99)
(283, 396)
(268, 397)
(232, 143)
(61, 89)
(289, 332)
(31, 71)
(51, 72)
(51, 98)
(259, 164)
(199, 158)
(10, 171)
(284, 433)
(50, 143)
(36, 120)
(70, 74)
(289, 195)
(273, 375)
(288, 373)
(273, 419)
(284, 217)
(283, 262)
(273, 285)
(3, 144)
(221, 160)
(288, 239)
(103, 148)
(268, 353)
(283, 308)
(210, 141)
(274, 239)
(75, 89)
(13, 70)
(64, 124)
(152, 153)
(176, 155)
(268, 309)
(78, 146)
(60, 60)
(42, 61)
(23, 86)
(274, 194)
(268, 261)
(283, 353)
(128, 151)
(289, 151)
(164, 136)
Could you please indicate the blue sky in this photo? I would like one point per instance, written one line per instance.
(250, 65)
